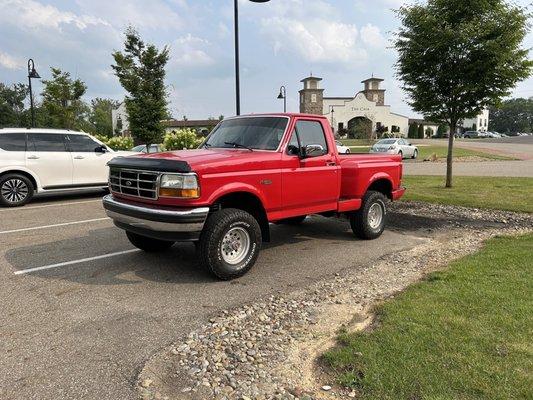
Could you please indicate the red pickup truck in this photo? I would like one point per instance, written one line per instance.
(250, 171)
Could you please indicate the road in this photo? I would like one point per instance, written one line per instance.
(516, 147)
(82, 310)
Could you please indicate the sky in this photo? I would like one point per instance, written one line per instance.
(282, 42)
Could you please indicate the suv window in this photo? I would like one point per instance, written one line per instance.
(311, 132)
(13, 141)
(46, 142)
(82, 143)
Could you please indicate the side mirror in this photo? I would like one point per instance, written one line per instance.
(314, 150)
(100, 149)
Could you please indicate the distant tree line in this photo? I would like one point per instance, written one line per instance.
(514, 115)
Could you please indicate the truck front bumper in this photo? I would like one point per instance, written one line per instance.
(183, 224)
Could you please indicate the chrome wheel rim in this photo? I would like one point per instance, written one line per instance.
(235, 245)
(14, 190)
(375, 216)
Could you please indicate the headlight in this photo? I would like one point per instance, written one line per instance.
(179, 185)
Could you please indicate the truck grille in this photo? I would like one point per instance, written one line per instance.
(133, 182)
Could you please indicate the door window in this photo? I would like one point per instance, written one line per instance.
(46, 142)
(82, 143)
(311, 132)
(13, 141)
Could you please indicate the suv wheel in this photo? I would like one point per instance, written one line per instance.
(230, 243)
(15, 190)
(148, 244)
(369, 221)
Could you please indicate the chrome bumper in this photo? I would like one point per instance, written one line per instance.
(156, 222)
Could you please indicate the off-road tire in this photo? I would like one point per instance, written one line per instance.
(16, 179)
(359, 220)
(210, 246)
(150, 245)
(293, 220)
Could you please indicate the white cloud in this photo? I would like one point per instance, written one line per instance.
(30, 14)
(190, 51)
(371, 36)
(10, 62)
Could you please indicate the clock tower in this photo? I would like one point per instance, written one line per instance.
(373, 92)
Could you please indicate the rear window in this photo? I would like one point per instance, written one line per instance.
(387, 141)
(13, 141)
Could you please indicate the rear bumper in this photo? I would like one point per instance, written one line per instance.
(156, 222)
(396, 194)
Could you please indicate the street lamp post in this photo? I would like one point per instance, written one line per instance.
(32, 73)
(237, 77)
(332, 110)
(283, 95)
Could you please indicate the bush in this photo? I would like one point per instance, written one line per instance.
(442, 130)
(181, 139)
(429, 132)
(116, 142)
(420, 132)
(412, 132)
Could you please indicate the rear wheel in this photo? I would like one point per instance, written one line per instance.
(15, 190)
(369, 221)
(415, 154)
(347, 151)
(148, 244)
(230, 242)
(400, 153)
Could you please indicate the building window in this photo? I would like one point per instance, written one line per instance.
(301, 98)
(313, 98)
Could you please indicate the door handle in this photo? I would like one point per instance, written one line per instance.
(33, 157)
(331, 163)
(79, 158)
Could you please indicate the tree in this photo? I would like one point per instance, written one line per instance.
(420, 132)
(100, 116)
(429, 132)
(62, 106)
(442, 130)
(514, 115)
(457, 57)
(12, 105)
(412, 132)
(140, 69)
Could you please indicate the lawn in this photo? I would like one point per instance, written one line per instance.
(504, 193)
(464, 333)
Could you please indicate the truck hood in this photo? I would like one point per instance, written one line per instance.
(205, 161)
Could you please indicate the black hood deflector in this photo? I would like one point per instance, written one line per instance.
(150, 164)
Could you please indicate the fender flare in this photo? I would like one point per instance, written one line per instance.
(14, 170)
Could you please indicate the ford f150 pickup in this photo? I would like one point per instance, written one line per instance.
(249, 172)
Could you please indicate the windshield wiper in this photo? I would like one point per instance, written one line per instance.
(235, 144)
(206, 145)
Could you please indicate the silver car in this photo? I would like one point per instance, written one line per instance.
(395, 146)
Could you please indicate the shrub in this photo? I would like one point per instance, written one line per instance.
(429, 132)
(120, 143)
(442, 130)
(412, 132)
(420, 132)
(181, 139)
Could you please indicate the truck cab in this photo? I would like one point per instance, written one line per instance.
(251, 171)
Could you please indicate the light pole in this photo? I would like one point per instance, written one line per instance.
(332, 110)
(237, 77)
(283, 95)
(32, 73)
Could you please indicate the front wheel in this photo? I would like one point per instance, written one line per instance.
(415, 154)
(230, 243)
(148, 244)
(369, 221)
(15, 190)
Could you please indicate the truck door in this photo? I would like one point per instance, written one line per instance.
(310, 183)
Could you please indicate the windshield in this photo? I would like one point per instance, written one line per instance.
(387, 141)
(262, 133)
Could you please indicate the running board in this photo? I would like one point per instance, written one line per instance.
(346, 205)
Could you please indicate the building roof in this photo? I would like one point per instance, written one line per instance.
(174, 123)
(311, 78)
(373, 79)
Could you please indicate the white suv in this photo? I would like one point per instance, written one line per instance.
(50, 160)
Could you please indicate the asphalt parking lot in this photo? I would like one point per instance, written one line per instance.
(82, 310)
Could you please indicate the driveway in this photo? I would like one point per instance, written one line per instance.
(517, 147)
(82, 310)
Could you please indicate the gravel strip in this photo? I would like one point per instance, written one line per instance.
(267, 350)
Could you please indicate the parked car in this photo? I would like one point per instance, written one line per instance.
(252, 170)
(472, 134)
(395, 146)
(342, 149)
(50, 160)
(154, 148)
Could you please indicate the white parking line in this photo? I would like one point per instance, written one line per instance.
(118, 253)
(49, 205)
(53, 226)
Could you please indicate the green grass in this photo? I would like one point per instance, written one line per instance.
(465, 333)
(503, 193)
